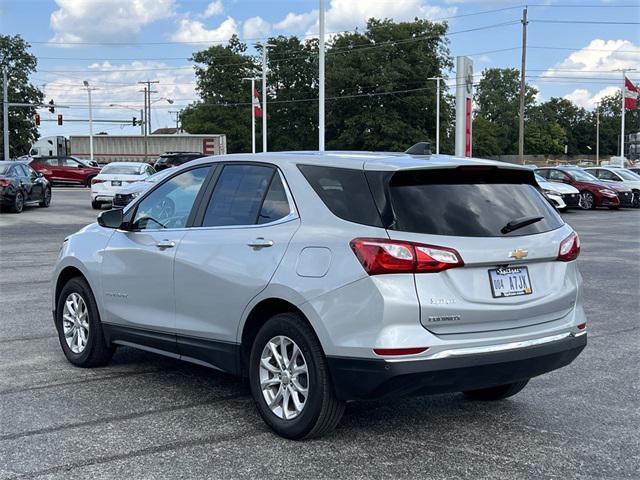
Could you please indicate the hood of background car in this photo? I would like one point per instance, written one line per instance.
(558, 187)
(617, 186)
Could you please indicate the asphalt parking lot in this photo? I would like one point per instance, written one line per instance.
(146, 416)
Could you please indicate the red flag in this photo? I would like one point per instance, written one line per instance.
(630, 95)
(256, 104)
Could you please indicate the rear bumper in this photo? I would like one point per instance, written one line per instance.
(355, 378)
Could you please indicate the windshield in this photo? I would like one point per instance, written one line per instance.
(539, 178)
(627, 175)
(4, 169)
(115, 169)
(581, 175)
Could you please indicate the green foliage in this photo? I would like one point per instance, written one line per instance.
(498, 101)
(485, 138)
(15, 56)
(226, 99)
(391, 121)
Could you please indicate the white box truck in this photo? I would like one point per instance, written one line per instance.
(129, 148)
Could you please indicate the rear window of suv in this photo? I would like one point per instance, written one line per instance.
(467, 202)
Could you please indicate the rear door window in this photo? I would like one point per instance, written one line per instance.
(471, 204)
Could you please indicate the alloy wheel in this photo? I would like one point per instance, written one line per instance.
(19, 202)
(284, 377)
(586, 200)
(75, 322)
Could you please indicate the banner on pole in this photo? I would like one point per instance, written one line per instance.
(630, 95)
(257, 109)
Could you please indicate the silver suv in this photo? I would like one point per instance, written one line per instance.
(331, 277)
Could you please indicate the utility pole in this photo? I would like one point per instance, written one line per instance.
(321, 79)
(177, 113)
(264, 95)
(253, 112)
(5, 112)
(86, 84)
(144, 124)
(598, 134)
(148, 102)
(523, 67)
(437, 79)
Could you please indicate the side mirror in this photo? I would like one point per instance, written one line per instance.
(39, 174)
(111, 218)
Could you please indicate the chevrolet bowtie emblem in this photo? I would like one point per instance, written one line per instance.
(518, 253)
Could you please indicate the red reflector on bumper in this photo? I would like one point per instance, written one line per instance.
(582, 326)
(399, 351)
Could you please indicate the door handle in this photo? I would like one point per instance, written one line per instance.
(260, 243)
(165, 244)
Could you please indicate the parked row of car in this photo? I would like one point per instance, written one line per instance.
(609, 186)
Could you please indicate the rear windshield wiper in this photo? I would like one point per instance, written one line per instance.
(519, 223)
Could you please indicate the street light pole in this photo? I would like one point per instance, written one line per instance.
(598, 134)
(264, 95)
(437, 79)
(86, 84)
(321, 79)
(5, 112)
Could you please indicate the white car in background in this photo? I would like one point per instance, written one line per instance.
(113, 176)
(617, 174)
(560, 195)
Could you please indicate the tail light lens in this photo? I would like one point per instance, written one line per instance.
(379, 256)
(96, 180)
(399, 351)
(4, 182)
(569, 248)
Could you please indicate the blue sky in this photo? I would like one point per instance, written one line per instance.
(115, 43)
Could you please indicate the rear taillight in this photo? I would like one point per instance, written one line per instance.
(96, 180)
(4, 182)
(379, 256)
(569, 248)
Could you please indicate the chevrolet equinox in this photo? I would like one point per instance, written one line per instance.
(330, 277)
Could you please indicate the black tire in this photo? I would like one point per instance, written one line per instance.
(496, 393)
(96, 352)
(322, 410)
(18, 202)
(588, 200)
(46, 200)
(96, 205)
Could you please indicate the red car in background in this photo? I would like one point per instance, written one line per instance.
(593, 192)
(68, 170)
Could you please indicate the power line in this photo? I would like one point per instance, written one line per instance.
(596, 22)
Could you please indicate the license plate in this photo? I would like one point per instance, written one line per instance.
(116, 183)
(510, 282)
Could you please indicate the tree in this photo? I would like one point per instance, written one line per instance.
(485, 138)
(576, 122)
(225, 105)
(498, 100)
(293, 87)
(365, 68)
(15, 57)
(610, 120)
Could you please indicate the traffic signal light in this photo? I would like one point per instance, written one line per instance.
(37, 119)
(59, 119)
(134, 122)
(52, 107)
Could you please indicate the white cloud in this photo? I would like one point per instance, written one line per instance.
(583, 98)
(195, 31)
(256, 27)
(348, 14)
(117, 84)
(599, 58)
(214, 8)
(297, 22)
(105, 20)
